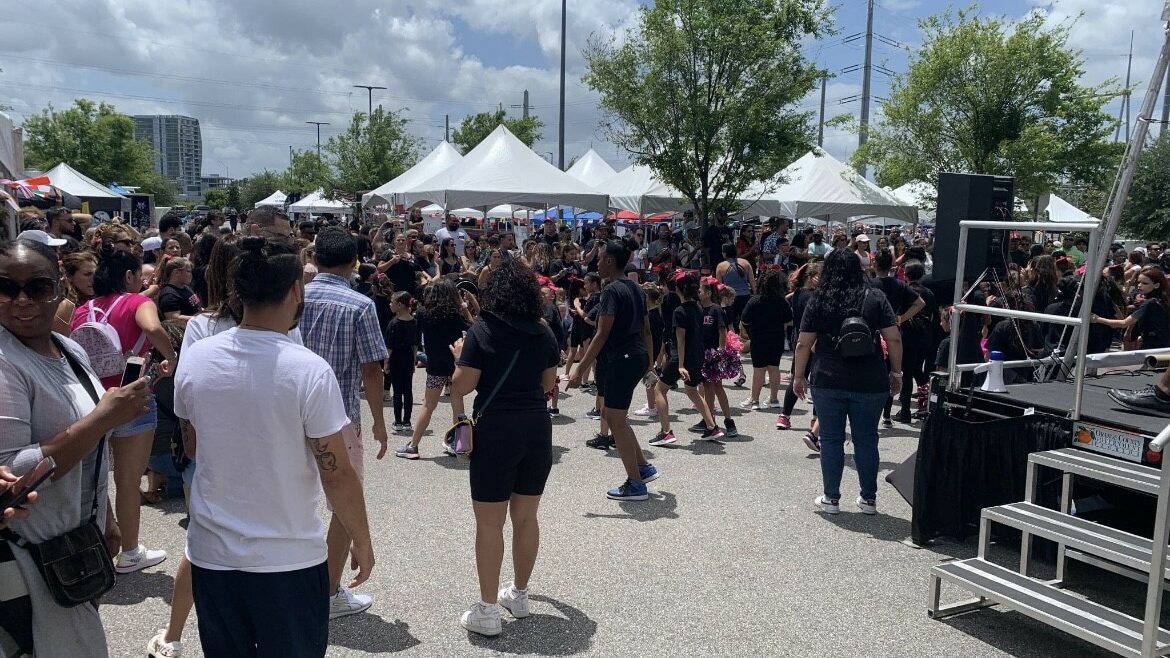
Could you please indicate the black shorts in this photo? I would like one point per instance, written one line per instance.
(767, 350)
(671, 375)
(512, 455)
(618, 378)
(579, 333)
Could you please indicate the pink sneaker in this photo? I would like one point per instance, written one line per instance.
(782, 422)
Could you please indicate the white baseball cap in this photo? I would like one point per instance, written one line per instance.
(41, 237)
(152, 244)
(863, 238)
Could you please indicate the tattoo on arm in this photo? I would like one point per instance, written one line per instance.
(326, 460)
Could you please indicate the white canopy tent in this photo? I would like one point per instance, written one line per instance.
(1061, 211)
(591, 169)
(921, 194)
(819, 185)
(440, 159)
(277, 198)
(637, 189)
(502, 169)
(503, 211)
(86, 189)
(316, 203)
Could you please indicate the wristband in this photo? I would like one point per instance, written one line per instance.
(895, 374)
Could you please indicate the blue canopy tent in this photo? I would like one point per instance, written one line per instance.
(565, 213)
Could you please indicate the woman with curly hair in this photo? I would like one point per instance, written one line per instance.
(850, 380)
(513, 434)
(1043, 281)
(1148, 327)
(443, 319)
(79, 267)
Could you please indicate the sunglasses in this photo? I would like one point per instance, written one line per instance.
(40, 289)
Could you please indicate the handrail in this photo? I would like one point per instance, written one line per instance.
(1020, 315)
(1051, 227)
(1159, 442)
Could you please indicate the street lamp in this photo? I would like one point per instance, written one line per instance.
(318, 124)
(370, 94)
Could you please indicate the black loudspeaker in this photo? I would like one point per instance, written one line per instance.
(971, 197)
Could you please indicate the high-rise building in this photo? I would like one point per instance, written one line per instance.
(178, 150)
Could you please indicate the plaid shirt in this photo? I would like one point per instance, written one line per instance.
(341, 326)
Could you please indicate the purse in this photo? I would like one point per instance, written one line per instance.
(77, 566)
(461, 437)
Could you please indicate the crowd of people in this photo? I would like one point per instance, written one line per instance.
(263, 329)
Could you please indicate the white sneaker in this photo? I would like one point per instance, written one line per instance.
(867, 506)
(774, 404)
(138, 559)
(646, 412)
(827, 506)
(345, 602)
(158, 647)
(514, 601)
(482, 618)
(750, 404)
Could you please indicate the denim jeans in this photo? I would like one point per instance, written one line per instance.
(862, 410)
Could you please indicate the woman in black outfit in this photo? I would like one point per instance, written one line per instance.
(449, 261)
(1149, 325)
(509, 358)
(804, 286)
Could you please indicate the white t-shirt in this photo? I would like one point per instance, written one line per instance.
(458, 235)
(203, 325)
(254, 397)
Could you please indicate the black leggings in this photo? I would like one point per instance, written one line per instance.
(400, 379)
(914, 373)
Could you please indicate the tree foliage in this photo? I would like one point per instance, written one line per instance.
(258, 187)
(992, 96)
(373, 150)
(162, 189)
(704, 91)
(306, 173)
(476, 127)
(233, 198)
(93, 138)
(1146, 214)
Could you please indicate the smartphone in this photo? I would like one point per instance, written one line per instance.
(18, 493)
(135, 366)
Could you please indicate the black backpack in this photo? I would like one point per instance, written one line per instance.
(855, 339)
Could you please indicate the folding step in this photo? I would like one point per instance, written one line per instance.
(1135, 477)
(1076, 533)
(1093, 622)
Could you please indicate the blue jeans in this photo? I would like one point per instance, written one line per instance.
(862, 410)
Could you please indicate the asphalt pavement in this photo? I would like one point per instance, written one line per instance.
(727, 558)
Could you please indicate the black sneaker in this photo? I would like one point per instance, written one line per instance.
(1146, 401)
(699, 427)
(812, 442)
(712, 435)
(729, 428)
(902, 416)
(554, 412)
(887, 422)
(601, 442)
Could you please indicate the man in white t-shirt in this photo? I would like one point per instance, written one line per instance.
(453, 231)
(265, 418)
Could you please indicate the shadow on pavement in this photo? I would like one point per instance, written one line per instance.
(447, 461)
(563, 419)
(699, 447)
(135, 588)
(881, 526)
(571, 632)
(557, 453)
(372, 634)
(661, 505)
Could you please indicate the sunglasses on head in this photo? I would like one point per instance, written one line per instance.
(40, 289)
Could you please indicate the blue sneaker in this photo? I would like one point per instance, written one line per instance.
(593, 414)
(629, 490)
(407, 452)
(648, 472)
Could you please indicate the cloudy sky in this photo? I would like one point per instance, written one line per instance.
(254, 72)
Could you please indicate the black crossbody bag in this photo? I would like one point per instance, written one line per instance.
(77, 566)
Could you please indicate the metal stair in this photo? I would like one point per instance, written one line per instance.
(1076, 538)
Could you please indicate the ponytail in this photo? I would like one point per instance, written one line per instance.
(264, 271)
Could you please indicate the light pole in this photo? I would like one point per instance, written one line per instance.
(318, 124)
(561, 129)
(370, 95)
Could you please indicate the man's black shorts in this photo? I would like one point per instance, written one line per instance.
(671, 374)
(617, 378)
(767, 350)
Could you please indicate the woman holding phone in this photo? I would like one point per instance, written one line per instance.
(46, 411)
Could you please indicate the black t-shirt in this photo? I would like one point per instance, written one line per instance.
(575, 269)
(900, 295)
(713, 324)
(552, 315)
(626, 302)
(800, 300)
(921, 326)
(1153, 325)
(199, 280)
(713, 240)
(765, 317)
(404, 274)
(867, 374)
(1003, 338)
(438, 336)
(656, 326)
(489, 347)
(689, 317)
(401, 336)
(173, 298)
(670, 303)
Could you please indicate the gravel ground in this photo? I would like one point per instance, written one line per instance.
(728, 558)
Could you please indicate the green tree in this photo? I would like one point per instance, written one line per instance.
(95, 139)
(306, 172)
(233, 200)
(476, 127)
(374, 149)
(216, 199)
(993, 96)
(258, 187)
(162, 189)
(1146, 215)
(704, 92)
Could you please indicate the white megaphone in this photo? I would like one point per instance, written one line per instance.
(994, 369)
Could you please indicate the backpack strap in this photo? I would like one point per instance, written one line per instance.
(496, 389)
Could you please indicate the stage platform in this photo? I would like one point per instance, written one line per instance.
(1056, 398)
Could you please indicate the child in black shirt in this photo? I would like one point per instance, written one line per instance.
(401, 335)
